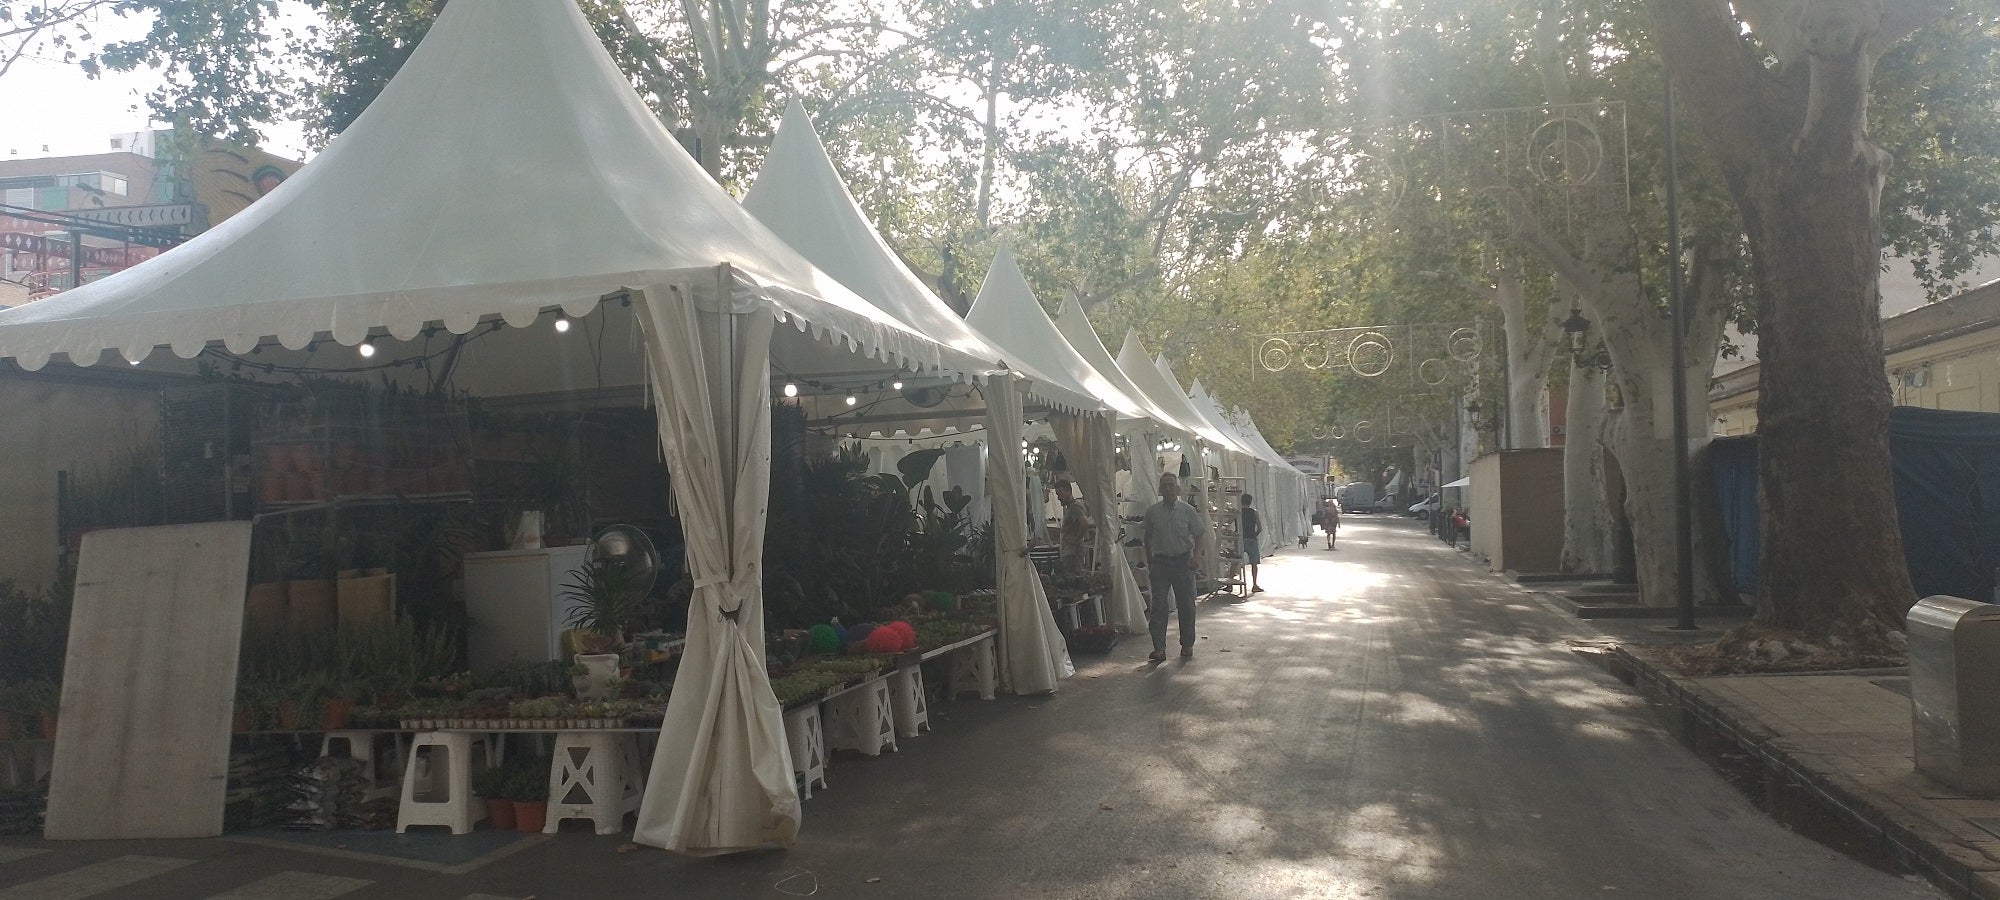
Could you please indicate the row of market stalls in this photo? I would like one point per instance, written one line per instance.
(509, 175)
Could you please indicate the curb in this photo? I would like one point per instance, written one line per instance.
(1634, 611)
(1918, 848)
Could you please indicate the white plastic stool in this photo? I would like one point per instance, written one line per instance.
(860, 718)
(360, 746)
(437, 787)
(906, 696)
(974, 668)
(807, 740)
(595, 775)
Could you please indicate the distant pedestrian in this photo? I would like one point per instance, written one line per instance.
(1074, 532)
(1329, 519)
(1253, 536)
(1176, 540)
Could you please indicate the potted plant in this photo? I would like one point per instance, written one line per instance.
(604, 598)
(528, 787)
(337, 701)
(492, 783)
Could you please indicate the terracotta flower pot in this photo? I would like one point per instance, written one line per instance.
(530, 815)
(501, 813)
(333, 714)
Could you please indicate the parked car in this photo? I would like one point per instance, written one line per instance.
(1422, 509)
(1358, 497)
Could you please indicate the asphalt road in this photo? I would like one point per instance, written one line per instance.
(1387, 721)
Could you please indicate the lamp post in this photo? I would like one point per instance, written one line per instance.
(1677, 324)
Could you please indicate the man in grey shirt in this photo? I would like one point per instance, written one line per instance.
(1176, 542)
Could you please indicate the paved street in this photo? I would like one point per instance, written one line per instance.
(1389, 721)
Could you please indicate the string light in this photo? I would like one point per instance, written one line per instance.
(562, 323)
(791, 390)
(895, 386)
(367, 348)
(851, 399)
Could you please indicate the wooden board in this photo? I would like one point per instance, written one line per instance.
(142, 748)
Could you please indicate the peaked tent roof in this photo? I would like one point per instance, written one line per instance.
(1204, 403)
(399, 221)
(1075, 327)
(800, 196)
(1248, 426)
(1007, 310)
(1161, 388)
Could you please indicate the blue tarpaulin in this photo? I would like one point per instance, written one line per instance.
(1946, 467)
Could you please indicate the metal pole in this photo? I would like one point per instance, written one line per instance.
(75, 259)
(1683, 514)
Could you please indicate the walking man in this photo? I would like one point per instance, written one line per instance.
(1329, 515)
(1253, 541)
(1176, 543)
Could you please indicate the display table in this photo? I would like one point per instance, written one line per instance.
(595, 773)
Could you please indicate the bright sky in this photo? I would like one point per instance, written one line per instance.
(53, 110)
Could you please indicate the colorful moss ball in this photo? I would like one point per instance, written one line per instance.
(906, 632)
(860, 632)
(913, 600)
(942, 601)
(823, 639)
(885, 640)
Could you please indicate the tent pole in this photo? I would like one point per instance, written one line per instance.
(726, 309)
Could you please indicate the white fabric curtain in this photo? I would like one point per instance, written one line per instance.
(1092, 449)
(1143, 453)
(722, 775)
(1128, 609)
(1032, 655)
(965, 468)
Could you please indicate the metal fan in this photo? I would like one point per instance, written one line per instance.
(924, 396)
(626, 548)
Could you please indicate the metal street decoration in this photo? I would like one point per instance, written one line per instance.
(1390, 423)
(1566, 168)
(1430, 355)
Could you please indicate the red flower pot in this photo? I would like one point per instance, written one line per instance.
(530, 815)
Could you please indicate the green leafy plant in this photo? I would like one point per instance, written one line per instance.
(607, 598)
(528, 778)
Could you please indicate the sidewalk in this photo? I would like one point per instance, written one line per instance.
(1842, 739)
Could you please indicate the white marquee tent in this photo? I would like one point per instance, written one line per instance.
(506, 170)
(802, 198)
(1006, 308)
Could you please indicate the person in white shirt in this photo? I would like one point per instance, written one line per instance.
(1176, 541)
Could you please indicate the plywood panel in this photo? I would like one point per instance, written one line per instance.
(149, 682)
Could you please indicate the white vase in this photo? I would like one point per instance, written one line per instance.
(598, 671)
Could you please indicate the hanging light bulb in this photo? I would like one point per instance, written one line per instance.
(851, 399)
(895, 385)
(562, 323)
(367, 348)
(791, 390)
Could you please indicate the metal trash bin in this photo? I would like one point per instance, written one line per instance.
(1954, 649)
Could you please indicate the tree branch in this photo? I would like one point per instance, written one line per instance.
(1708, 58)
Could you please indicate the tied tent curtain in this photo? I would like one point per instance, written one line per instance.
(1032, 654)
(1093, 457)
(722, 775)
(1144, 455)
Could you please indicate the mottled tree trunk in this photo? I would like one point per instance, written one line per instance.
(1790, 135)
(1586, 508)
